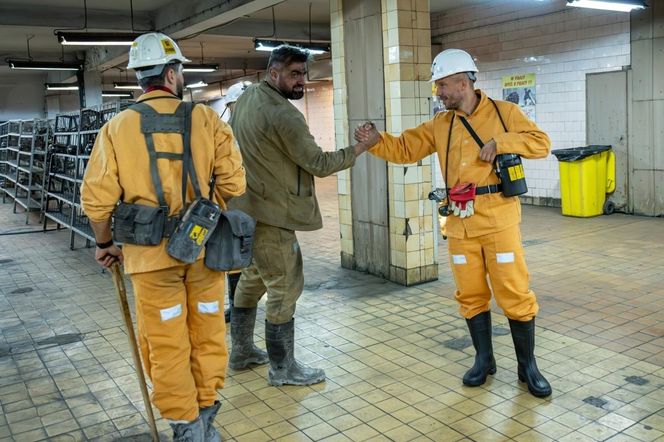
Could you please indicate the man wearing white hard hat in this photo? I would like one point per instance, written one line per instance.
(156, 158)
(232, 94)
(484, 216)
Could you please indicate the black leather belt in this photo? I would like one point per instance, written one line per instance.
(493, 188)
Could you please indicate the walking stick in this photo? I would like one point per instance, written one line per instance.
(126, 314)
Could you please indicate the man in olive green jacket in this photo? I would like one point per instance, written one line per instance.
(281, 159)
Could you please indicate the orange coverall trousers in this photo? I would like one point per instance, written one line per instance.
(500, 256)
(181, 333)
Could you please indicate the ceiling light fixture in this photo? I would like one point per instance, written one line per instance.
(118, 94)
(96, 38)
(44, 65)
(197, 85)
(61, 86)
(609, 5)
(124, 85)
(202, 66)
(270, 45)
(199, 67)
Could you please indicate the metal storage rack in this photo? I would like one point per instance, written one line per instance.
(67, 158)
(5, 182)
(23, 145)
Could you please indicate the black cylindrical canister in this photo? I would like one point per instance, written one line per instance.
(510, 170)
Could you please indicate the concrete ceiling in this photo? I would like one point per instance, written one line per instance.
(225, 30)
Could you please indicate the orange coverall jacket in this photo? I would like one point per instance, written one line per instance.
(119, 168)
(493, 212)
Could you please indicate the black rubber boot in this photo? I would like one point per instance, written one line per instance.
(284, 369)
(207, 415)
(523, 335)
(189, 432)
(233, 279)
(485, 364)
(244, 353)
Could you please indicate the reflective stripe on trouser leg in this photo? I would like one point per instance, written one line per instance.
(207, 330)
(467, 262)
(508, 273)
(276, 268)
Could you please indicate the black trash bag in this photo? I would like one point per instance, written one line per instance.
(578, 153)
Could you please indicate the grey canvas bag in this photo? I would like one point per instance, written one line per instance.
(231, 245)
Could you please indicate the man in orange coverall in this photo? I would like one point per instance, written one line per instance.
(486, 239)
(179, 307)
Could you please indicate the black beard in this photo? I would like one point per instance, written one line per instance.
(297, 95)
(292, 94)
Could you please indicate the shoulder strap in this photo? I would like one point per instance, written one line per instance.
(472, 132)
(146, 111)
(499, 116)
(188, 168)
(447, 154)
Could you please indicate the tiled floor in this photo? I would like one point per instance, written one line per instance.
(393, 355)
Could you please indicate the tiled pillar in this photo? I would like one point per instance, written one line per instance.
(407, 58)
(341, 130)
(406, 47)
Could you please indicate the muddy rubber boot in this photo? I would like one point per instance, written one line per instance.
(207, 415)
(189, 432)
(523, 335)
(284, 369)
(485, 364)
(244, 353)
(233, 279)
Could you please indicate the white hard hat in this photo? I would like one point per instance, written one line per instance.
(235, 91)
(153, 50)
(450, 62)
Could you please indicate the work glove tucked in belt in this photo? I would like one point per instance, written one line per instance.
(461, 199)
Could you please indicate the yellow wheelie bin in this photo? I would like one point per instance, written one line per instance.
(587, 174)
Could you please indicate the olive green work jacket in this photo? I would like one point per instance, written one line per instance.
(280, 158)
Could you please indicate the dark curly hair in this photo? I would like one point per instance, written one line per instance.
(287, 54)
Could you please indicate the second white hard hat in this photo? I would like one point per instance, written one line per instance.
(235, 91)
(450, 62)
(153, 50)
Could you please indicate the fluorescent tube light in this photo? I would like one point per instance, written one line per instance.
(61, 86)
(44, 65)
(270, 45)
(119, 94)
(199, 67)
(608, 5)
(197, 85)
(97, 38)
(121, 85)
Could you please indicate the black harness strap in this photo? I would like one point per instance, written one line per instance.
(177, 122)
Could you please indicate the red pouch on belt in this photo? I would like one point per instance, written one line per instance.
(461, 199)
